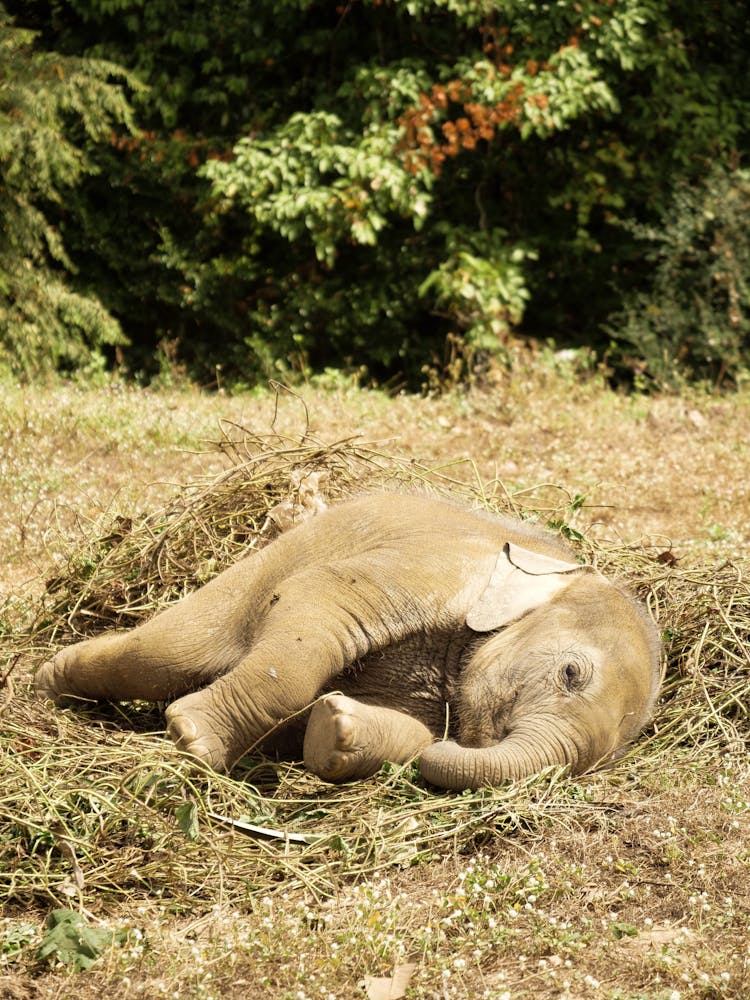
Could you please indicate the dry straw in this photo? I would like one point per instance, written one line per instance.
(96, 806)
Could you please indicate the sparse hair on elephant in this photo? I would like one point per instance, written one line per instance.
(379, 627)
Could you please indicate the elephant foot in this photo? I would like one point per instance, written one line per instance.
(45, 682)
(50, 681)
(191, 731)
(341, 740)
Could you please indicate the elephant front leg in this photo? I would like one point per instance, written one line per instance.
(279, 679)
(346, 739)
(313, 629)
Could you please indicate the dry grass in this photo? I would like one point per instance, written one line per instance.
(626, 884)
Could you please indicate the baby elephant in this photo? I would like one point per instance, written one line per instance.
(401, 619)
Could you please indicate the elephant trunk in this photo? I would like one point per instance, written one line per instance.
(448, 765)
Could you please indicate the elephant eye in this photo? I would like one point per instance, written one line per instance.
(573, 675)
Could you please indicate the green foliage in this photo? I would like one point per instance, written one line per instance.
(15, 940)
(70, 940)
(312, 179)
(44, 323)
(422, 145)
(481, 284)
(316, 186)
(187, 819)
(692, 321)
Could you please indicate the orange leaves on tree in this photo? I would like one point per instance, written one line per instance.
(428, 143)
(457, 90)
(447, 120)
(440, 97)
(540, 101)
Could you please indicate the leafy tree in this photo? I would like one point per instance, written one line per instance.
(537, 130)
(326, 186)
(44, 100)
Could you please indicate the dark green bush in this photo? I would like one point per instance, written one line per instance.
(47, 322)
(691, 322)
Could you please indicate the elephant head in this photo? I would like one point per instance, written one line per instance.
(568, 674)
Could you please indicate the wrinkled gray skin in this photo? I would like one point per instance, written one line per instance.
(424, 618)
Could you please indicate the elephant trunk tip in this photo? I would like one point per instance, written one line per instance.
(447, 765)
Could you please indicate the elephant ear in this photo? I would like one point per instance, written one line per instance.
(521, 581)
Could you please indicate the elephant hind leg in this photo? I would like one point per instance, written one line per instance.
(95, 669)
(124, 666)
(347, 739)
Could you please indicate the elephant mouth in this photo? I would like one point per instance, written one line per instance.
(480, 728)
(479, 734)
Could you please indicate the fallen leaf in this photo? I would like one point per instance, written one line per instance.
(667, 558)
(267, 831)
(390, 987)
(72, 941)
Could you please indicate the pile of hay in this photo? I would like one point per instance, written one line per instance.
(96, 805)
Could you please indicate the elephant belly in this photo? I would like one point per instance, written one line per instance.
(418, 676)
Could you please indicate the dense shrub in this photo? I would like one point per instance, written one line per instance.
(46, 322)
(691, 320)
